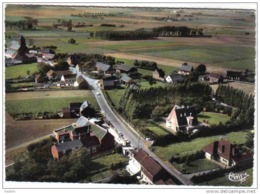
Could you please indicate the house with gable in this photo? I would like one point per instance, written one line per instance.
(104, 69)
(186, 69)
(227, 154)
(151, 172)
(182, 118)
(81, 83)
(125, 79)
(174, 78)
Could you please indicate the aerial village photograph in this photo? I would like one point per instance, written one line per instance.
(140, 96)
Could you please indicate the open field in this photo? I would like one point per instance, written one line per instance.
(197, 144)
(19, 132)
(45, 101)
(248, 88)
(213, 118)
(20, 70)
(156, 130)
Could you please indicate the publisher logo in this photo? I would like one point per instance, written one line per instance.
(237, 177)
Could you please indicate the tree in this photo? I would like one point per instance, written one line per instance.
(72, 41)
(28, 72)
(201, 69)
(250, 139)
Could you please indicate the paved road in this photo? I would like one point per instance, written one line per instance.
(134, 138)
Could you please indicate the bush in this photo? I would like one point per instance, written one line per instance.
(72, 41)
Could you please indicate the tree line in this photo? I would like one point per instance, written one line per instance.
(149, 65)
(244, 103)
(127, 35)
(27, 24)
(140, 103)
(179, 31)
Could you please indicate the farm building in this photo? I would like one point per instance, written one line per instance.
(158, 74)
(109, 83)
(125, 79)
(39, 79)
(234, 75)
(122, 68)
(174, 78)
(103, 68)
(182, 118)
(215, 78)
(150, 171)
(226, 153)
(186, 69)
(77, 109)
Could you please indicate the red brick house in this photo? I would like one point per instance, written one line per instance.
(151, 171)
(94, 138)
(226, 153)
(59, 150)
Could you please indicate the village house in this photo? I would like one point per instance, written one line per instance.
(104, 69)
(122, 68)
(125, 79)
(182, 118)
(77, 109)
(81, 83)
(227, 154)
(64, 77)
(234, 75)
(215, 78)
(81, 134)
(158, 74)
(59, 150)
(73, 60)
(186, 69)
(174, 78)
(150, 171)
(109, 83)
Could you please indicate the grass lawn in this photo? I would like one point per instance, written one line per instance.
(146, 85)
(20, 70)
(42, 104)
(197, 166)
(115, 96)
(197, 144)
(213, 118)
(107, 160)
(24, 84)
(224, 181)
(102, 175)
(157, 130)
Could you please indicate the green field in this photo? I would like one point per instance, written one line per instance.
(115, 96)
(213, 118)
(43, 104)
(20, 70)
(224, 181)
(107, 160)
(185, 148)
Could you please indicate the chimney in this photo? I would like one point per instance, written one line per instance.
(223, 149)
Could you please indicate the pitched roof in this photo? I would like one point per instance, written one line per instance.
(124, 67)
(81, 122)
(68, 145)
(102, 66)
(98, 131)
(181, 113)
(90, 141)
(175, 77)
(109, 83)
(186, 67)
(50, 72)
(84, 105)
(150, 167)
(222, 148)
(215, 75)
(126, 78)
